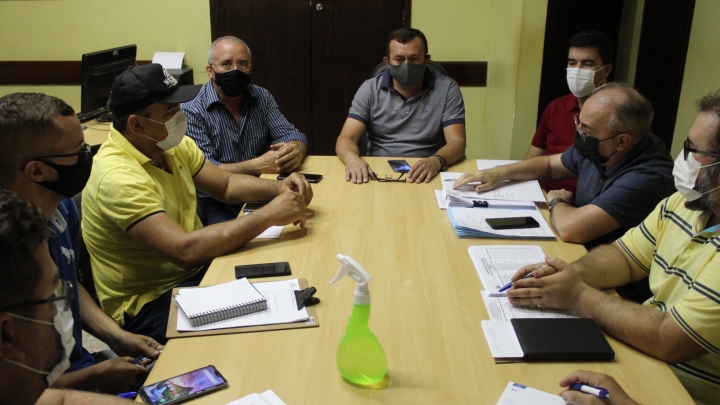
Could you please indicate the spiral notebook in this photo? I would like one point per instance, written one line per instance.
(220, 302)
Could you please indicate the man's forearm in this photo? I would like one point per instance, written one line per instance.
(95, 321)
(604, 267)
(243, 188)
(84, 380)
(453, 152)
(533, 169)
(346, 149)
(64, 397)
(249, 167)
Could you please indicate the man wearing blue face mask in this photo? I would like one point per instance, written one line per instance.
(140, 222)
(237, 125)
(622, 169)
(589, 63)
(676, 249)
(408, 111)
(36, 324)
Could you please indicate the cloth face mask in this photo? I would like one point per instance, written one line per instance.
(176, 129)
(407, 74)
(581, 81)
(232, 83)
(685, 174)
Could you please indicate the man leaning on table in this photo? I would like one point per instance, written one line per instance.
(676, 248)
(622, 169)
(408, 111)
(139, 206)
(237, 125)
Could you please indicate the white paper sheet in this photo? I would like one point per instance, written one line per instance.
(517, 394)
(500, 309)
(266, 398)
(495, 264)
(470, 222)
(508, 190)
(441, 199)
(281, 309)
(502, 340)
(169, 60)
(273, 232)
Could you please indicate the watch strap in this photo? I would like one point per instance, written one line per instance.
(443, 163)
(556, 201)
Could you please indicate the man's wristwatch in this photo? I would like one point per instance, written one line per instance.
(555, 202)
(443, 163)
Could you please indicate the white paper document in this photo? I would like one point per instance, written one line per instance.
(266, 398)
(273, 232)
(441, 199)
(470, 223)
(507, 190)
(517, 394)
(169, 60)
(500, 309)
(281, 308)
(496, 264)
(502, 340)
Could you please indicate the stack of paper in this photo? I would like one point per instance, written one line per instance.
(507, 190)
(496, 264)
(471, 223)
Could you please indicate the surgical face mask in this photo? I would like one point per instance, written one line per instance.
(589, 148)
(685, 173)
(71, 178)
(232, 83)
(63, 323)
(176, 129)
(408, 74)
(581, 81)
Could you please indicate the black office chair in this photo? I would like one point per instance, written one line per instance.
(379, 69)
(84, 269)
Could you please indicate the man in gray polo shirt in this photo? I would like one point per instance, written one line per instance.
(408, 111)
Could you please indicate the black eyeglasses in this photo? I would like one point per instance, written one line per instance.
(85, 153)
(687, 149)
(63, 292)
(389, 179)
(583, 135)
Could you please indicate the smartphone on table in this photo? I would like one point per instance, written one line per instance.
(512, 223)
(253, 206)
(311, 178)
(399, 166)
(263, 270)
(183, 387)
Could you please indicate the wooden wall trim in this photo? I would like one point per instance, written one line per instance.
(40, 73)
(467, 74)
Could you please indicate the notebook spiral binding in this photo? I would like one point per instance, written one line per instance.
(226, 313)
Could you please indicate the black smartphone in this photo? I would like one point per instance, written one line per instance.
(512, 223)
(263, 270)
(311, 178)
(399, 166)
(183, 387)
(252, 206)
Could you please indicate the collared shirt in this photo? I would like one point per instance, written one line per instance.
(222, 140)
(556, 133)
(683, 264)
(124, 188)
(630, 189)
(407, 127)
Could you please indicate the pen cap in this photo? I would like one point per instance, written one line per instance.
(355, 271)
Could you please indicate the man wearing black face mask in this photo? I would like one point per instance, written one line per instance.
(408, 111)
(237, 125)
(35, 324)
(46, 160)
(622, 169)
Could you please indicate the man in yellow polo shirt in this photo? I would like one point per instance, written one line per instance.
(139, 206)
(676, 247)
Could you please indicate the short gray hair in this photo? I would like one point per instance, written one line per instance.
(711, 104)
(632, 114)
(228, 38)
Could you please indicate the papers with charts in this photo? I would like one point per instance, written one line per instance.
(266, 398)
(517, 394)
(508, 190)
(471, 223)
(500, 309)
(496, 264)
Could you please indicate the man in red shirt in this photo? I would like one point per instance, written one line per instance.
(588, 66)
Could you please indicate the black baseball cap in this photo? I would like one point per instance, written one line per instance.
(143, 85)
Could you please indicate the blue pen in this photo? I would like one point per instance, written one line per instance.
(589, 389)
(128, 395)
(508, 285)
(139, 359)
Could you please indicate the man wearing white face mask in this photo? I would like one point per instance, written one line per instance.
(676, 249)
(139, 206)
(35, 319)
(590, 54)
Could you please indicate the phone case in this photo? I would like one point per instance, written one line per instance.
(173, 388)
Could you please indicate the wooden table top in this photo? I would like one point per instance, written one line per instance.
(426, 308)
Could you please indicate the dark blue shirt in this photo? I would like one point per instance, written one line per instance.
(64, 232)
(214, 129)
(629, 190)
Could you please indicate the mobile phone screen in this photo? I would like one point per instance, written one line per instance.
(178, 388)
(399, 166)
(512, 223)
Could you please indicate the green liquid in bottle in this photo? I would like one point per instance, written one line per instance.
(360, 357)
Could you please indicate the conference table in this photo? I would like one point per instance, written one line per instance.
(426, 308)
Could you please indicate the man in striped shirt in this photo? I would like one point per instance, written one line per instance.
(676, 249)
(237, 125)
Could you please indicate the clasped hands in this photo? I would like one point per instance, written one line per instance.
(554, 284)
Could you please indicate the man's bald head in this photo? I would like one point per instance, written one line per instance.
(229, 39)
(632, 113)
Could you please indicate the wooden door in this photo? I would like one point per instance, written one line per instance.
(311, 55)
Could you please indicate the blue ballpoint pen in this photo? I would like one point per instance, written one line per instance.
(128, 395)
(510, 284)
(589, 389)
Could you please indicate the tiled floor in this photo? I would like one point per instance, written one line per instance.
(93, 344)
